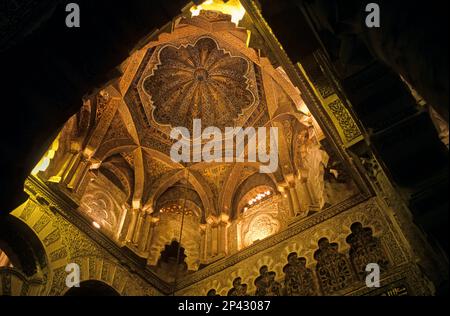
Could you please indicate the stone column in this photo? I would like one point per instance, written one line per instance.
(208, 238)
(132, 226)
(212, 236)
(80, 169)
(137, 227)
(287, 195)
(71, 168)
(304, 194)
(64, 167)
(222, 234)
(203, 242)
(295, 201)
(154, 221)
(145, 232)
(215, 239)
(153, 224)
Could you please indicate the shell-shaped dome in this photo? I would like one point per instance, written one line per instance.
(199, 81)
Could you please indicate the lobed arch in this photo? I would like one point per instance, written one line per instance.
(233, 179)
(121, 175)
(194, 179)
(257, 180)
(178, 194)
(113, 147)
(281, 116)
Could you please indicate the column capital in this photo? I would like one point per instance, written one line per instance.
(224, 218)
(302, 174)
(75, 146)
(134, 210)
(136, 203)
(154, 219)
(290, 179)
(94, 163)
(211, 220)
(281, 186)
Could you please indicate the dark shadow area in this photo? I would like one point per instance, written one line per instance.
(92, 288)
(21, 245)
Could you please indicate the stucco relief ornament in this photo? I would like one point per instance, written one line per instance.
(261, 227)
(199, 81)
(99, 206)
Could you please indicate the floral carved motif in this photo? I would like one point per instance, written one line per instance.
(299, 280)
(266, 284)
(199, 81)
(346, 122)
(333, 269)
(239, 288)
(365, 249)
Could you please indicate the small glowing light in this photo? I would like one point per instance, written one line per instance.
(285, 195)
(245, 209)
(268, 193)
(96, 225)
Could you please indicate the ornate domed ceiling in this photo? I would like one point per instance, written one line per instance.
(195, 73)
(113, 159)
(120, 140)
(202, 69)
(199, 81)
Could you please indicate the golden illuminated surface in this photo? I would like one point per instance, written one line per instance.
(261, 227)
(176, 209)
(123, 181)
(4, 260)
(199, 81)
(45, 161)
(231, 7)
(257, 199)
